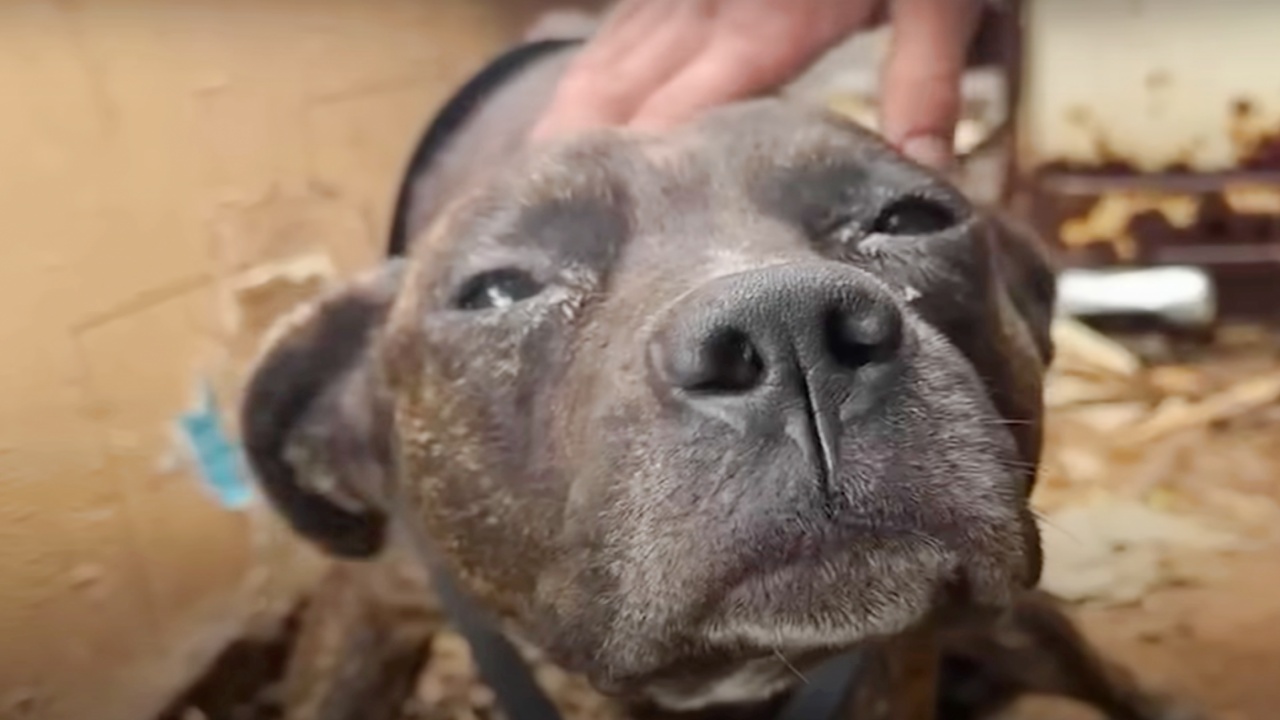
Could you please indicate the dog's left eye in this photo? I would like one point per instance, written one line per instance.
(496, 289)
(913, 216)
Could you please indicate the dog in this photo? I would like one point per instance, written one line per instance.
(691, 413)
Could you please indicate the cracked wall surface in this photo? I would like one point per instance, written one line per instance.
(163, 163)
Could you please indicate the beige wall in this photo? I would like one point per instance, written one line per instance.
(163, 164)
(1150, 83)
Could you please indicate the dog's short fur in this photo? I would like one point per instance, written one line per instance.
(684, 410)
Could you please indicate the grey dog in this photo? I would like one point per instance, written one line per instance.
(692, 413)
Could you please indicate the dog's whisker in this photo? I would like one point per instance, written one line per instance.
(1006, 422)
(794, 670)
(1044, 520)
(1011, 464)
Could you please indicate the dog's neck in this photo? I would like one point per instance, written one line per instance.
(884, 680)
(769, 688)
(752, 683)
(750, 689)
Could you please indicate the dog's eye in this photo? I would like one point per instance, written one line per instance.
(913, 216)
(496, 289)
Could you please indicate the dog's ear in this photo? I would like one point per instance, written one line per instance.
(316, 418)
(1028, 272)
(1015, 359)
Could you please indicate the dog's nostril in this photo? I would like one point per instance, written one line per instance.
(761, 344)
(856, 339)
(726, 362)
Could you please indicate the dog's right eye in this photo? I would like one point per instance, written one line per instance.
(496, 289)
(913, 216)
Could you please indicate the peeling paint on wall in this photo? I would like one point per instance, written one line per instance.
(217, 459)
(1162, 85)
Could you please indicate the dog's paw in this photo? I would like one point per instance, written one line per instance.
(1171, 708)
(1152, 707)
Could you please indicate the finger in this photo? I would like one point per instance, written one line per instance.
(921, 80)
(581, 97)
(627, 26)
(561, 23)
(715, 77)
(758, 46)
(636, 51)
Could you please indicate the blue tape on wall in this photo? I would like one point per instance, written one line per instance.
(217, 458)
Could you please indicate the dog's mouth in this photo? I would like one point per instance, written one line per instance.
(795, 605)
(814, 592)
(831, 588)
(815, 549)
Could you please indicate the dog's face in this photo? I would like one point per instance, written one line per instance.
(759, 387)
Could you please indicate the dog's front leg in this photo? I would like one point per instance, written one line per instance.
(363, 642)
(900, 681)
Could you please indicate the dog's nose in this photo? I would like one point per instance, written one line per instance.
(784, 326)
(771, 345)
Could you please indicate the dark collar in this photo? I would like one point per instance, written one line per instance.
(828, 689)
(452, 117)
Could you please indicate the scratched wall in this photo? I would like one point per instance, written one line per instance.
(173, 175)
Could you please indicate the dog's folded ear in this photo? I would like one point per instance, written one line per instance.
(315, 418)
(1028, 271)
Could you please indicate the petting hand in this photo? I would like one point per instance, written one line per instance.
(657, 63)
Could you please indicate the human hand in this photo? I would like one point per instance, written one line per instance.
(656, 63)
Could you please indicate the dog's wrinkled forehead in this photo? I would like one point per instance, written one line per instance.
(711, 190)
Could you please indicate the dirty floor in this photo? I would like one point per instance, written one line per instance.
(1159, 496)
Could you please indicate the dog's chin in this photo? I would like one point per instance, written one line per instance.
(873, 589)
(786, 617)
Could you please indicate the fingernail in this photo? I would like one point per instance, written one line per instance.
(929, 150)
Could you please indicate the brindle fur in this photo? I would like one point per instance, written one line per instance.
(604, 525)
